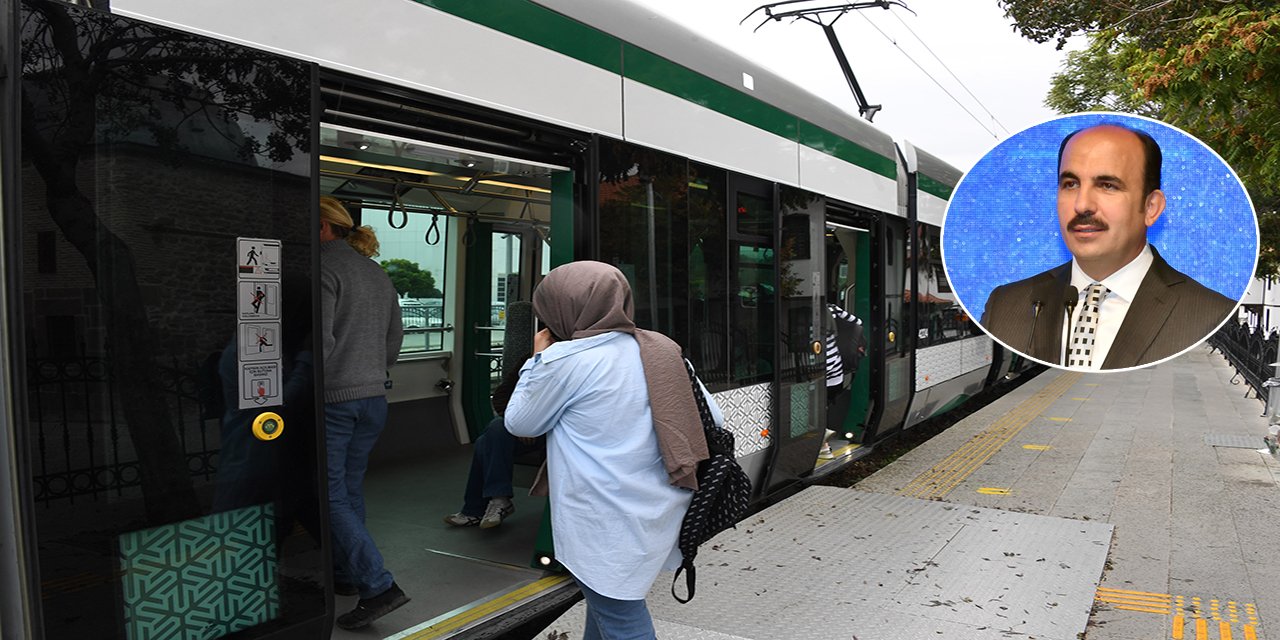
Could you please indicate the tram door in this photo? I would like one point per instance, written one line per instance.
(849, 282)
(163, 307)
(503, 265)
(801, 357)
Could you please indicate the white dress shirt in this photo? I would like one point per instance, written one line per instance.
(1121, 286)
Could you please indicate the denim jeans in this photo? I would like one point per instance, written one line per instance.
(491, 463)
(609, 619)
(351, 430)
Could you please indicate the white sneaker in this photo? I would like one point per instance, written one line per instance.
(496, 512)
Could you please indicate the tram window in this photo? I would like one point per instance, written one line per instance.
(940, 317)
(644, 215)
(417, 270)
(708, 338)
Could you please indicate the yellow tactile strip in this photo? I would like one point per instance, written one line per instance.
(1193, 616)
(946, 475)
(471, 614)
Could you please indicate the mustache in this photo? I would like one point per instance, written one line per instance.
(1087, 220)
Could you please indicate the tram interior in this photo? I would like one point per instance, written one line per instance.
(462, 235)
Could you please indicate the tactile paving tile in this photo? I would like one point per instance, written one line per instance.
(1234, 441)
(838, 563)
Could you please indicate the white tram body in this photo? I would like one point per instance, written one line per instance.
(814, 206)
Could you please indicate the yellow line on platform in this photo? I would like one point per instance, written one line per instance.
(992, 491)
(1202, 629)
(1133, 593)
(1126, 607)
(945, 476)
(1146, 602)
(1249, 633)
(1036, 447)
(1057, 419)
(1178, 623)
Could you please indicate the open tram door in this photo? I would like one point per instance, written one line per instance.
(472, 208)
(852, 277)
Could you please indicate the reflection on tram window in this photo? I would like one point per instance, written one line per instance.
(160, 149)
(940, 317)
(708, 276)
(644, 231)
(417, 269)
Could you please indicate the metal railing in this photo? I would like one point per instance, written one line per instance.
(83, 448)
(1250, 352)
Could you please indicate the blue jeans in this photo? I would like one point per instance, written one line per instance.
(351, 430)
(609, 619)
(491, 462)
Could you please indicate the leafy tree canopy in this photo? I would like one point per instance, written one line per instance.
(1211, 68)
(411, 279)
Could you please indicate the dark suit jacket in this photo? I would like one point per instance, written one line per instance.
(1170, 313)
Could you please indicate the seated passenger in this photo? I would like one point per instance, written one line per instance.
(486, 502)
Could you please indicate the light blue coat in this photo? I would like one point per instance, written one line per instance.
(615, 515)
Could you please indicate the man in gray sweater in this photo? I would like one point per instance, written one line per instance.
(362, 331)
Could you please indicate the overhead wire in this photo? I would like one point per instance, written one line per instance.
(953, 74)
(930, 76)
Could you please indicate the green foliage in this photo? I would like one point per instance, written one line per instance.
(1096, 79)
(1210, 68)
(1149, 23)
(411, 279)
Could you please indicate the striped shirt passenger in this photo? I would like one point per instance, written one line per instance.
(835, 364)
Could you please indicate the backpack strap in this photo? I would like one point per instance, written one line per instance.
(690, 579)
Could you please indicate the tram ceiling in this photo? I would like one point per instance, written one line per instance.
(482, 193)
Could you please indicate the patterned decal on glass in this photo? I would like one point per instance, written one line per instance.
(802, 419)
(202, 578)
(746, 414)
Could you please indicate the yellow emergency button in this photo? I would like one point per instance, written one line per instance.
(268, 426)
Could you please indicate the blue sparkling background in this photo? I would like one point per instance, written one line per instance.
(1001, 224)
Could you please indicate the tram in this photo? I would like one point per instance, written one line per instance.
(162, 471)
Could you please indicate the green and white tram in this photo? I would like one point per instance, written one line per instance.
(162, 475)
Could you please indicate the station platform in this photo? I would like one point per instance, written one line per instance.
(1138, 505)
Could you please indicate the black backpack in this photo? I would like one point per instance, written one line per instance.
(722, 495)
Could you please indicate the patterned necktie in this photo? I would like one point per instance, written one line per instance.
(1085, 331)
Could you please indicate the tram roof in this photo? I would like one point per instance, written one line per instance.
(640, 26)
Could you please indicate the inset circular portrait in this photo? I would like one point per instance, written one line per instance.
(1100, 241)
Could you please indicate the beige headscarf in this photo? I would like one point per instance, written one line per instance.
(583, 299)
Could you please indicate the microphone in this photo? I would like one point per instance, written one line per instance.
(1073, 297)
(517, 340)
(1036, 305)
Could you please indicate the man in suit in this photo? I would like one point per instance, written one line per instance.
(1117, 303)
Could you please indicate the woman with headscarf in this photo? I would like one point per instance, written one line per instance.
(623, 441)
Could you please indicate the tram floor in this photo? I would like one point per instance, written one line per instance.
(440, 567)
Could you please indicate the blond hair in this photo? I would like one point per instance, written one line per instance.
(362, 239)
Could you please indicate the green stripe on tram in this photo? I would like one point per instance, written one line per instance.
(541, 26)
(546, 28)
(662, 74)
(820, 139)
(934, 187)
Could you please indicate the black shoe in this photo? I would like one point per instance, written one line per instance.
(370, 609)
(345, 589)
